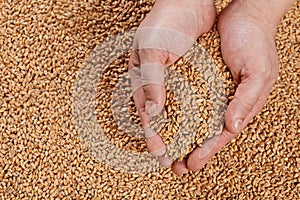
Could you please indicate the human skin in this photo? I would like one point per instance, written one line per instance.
(247, 29)
(166, 34)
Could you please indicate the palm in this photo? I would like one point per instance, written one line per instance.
(249, 51)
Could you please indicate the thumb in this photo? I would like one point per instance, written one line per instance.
(158, 48)
(245, 100)
(152, 78)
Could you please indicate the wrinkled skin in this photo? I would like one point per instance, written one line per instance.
(248, 49)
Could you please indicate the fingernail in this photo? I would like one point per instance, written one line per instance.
(238, 124)
(165, 161)
(149, 132)
(159, 152)
(152, 109)
(202, 154)
(218, 132)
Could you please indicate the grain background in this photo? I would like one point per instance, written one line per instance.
(42, 156)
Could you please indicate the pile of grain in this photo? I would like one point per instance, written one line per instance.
(42, 154)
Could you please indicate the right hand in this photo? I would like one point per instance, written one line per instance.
(249, 51)
(166, 34)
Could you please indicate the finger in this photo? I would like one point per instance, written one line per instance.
(134, 71)
(180, 167)
(246, 97)
(152, 76)
(158, 48)
(200, 156)
(152, 53)
(165, 161)
(154, 142)
(258, 107)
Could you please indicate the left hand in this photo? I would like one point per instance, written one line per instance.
(166, 34)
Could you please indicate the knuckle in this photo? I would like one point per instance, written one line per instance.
(153, 56)
(134, 59)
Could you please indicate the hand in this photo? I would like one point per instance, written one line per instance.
(249, 50)
(166, 34)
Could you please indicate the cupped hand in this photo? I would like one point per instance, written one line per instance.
(166, 34)
(249, 50)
